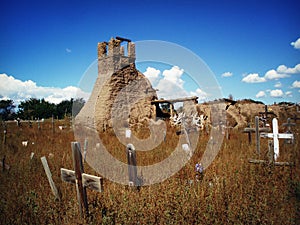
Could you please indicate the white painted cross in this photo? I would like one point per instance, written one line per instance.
(276, 136)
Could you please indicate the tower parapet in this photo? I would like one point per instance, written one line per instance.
(112, 56)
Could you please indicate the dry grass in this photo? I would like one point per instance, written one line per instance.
(232, 191)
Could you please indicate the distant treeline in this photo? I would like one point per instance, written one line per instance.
(39, 108)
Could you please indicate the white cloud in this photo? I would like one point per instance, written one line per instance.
(289, 94)
(274, 75)
(285, 69)
(296, 44)
(152, 74)
(17, 90)
(169, 90)
(277, 93)
(171, 85)
(296, 84)
(199, 93)
(174, 75)
(282, 71)
(68, 50)
(260, 94)
(253, 78)
(278, 85)
(227, 74)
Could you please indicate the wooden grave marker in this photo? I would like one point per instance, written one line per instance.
(274, 145)
(276, 136)
(227, 129)
(295, 118)
(288, 124)
(132, 168)
(3, 164)
(80, 179)
(49, 176)
(4, 136)
(265, 114)
(53, 127)
(257, 131)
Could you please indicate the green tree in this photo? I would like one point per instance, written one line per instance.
(36, 108)
(7, 109)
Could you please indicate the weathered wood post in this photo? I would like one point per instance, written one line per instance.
(49, 176)
(295, 118)
(4, 136)
(288, 124)
(80, 179)
(85, 148)
(249, 133)
(78, 167)
(257, 134)
(3, 163)
(257, 131)
(271, 152)
(39, 127)
(53, 128)
(131, 160)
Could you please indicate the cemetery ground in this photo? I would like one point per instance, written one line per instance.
(232, 191)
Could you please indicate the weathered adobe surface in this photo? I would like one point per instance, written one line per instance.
(243, 112)
(122, 90)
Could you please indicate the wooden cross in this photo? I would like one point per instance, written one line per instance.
(80, 179)
(257, 130)
(265, 115)
(276, 136)
(295, 118)
(227, 130)
(288, 124)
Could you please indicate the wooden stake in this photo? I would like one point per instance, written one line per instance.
(132, 169)
(257, 135)
(4, 137)
(49, 176)
(53, 128)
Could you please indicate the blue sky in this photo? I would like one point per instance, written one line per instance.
(46, 46)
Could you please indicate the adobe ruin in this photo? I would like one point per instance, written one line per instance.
(117, 87)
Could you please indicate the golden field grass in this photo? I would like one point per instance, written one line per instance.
(233, 191)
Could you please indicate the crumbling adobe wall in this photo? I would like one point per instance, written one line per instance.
(119, 96)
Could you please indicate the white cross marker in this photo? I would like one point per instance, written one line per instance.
(275, 135)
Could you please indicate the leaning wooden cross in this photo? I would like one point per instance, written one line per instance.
(81, 179)
(257, 131)
(274, 152)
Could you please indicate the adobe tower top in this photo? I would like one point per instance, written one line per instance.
(112, 56)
